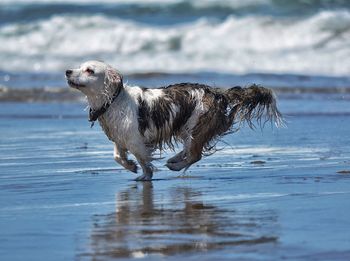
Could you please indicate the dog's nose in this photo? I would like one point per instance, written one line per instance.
(69, 73)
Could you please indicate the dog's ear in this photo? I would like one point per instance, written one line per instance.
(113, 81)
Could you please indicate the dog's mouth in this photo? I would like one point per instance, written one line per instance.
(75, 85)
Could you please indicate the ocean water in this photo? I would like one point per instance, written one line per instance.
(270, 38)
(271, 194)
(274, 194)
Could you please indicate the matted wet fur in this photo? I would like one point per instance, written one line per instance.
(142, 120)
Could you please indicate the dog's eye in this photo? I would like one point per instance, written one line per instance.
(89, 71)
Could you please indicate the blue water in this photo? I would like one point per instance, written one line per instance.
(267, 195)
(42, 80)
(41, 39)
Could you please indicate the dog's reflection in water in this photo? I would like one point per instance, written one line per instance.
(174, 221)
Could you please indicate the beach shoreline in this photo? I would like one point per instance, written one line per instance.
(66, 94)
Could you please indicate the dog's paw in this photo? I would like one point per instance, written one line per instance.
(177, 158)
(171, 160)
(132, 166)
(173, 166)
(144, 178)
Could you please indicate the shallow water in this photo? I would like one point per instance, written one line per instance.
(265, 195)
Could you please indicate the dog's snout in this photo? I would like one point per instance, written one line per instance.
(69, 72)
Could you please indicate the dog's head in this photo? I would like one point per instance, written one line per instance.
(94, 78)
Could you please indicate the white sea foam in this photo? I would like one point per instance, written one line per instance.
(311, 45)
(230, 3)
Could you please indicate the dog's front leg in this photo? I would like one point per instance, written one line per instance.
(147, 168)
(144, 158)
(120, 156)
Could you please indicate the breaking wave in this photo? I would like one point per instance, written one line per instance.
(143, 36)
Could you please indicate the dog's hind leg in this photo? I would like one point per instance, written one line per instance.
(120, 156)
(177, 166)
(192, 153)
(177, 158)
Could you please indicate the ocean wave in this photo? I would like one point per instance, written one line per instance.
(309, 45)
(158, 12)
(197, 3)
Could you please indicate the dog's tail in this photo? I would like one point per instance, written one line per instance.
(253, 104)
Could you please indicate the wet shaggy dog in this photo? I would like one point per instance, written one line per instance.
(142, 120)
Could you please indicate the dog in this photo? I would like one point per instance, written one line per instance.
(141, 120)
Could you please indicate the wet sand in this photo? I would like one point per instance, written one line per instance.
(265, 195)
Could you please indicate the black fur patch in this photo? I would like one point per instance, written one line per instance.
(144, 115)
(160, 114)
(183, 99)
(161, 111)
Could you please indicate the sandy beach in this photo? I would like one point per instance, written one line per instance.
(265, 195)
